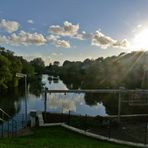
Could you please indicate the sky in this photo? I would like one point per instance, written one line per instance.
(73, 29)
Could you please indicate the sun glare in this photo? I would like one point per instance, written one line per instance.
(140, 41)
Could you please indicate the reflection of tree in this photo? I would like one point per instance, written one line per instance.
(92, 99)
(36, 86)
(110, 101)
(9, 102)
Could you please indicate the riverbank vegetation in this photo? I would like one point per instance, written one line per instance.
(129, 70)
(10, 64)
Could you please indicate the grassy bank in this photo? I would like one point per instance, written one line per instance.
(55, 137)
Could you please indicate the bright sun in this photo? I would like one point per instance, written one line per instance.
(140, 41)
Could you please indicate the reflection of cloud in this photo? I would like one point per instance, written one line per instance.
(67, 102)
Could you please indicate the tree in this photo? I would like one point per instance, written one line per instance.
(56, 63)
(38, 65)
(5, 73)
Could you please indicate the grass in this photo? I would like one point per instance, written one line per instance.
(55, 137)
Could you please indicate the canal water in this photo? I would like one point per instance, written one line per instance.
(59, 103)
(81, 104)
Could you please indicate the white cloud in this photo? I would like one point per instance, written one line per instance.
(62, 43)
(30, 21)
(103, 41)
(67, 30)
(121, 44)
(3, 39)
(9, 26)
(83, 36)
(139, 26)
(26, 38)
(58, 42)
(53, 38)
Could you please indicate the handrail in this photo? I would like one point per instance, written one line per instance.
(97, 90)
(3, 120)
(5, 113)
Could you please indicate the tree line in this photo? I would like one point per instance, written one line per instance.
(11, 64)
(129, 70)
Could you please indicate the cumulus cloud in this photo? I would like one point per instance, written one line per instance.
(121, 44)
(83, 36)
(103, 41)
(62, 43)
(9, 26)
(30, 21)
(3, 39)
(58, 42)
(25, 38)
(53, 38)
(67, 30)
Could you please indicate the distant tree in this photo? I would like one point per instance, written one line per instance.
(38, 65)
(5, 73)
(56, 63)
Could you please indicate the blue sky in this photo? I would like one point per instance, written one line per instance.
(71, 29)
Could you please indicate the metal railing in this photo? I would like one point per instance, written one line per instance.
(8, 125)
(132, 127)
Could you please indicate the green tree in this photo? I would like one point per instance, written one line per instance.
(38, 65)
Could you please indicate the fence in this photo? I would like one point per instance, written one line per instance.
(123, 126)
(9, 126)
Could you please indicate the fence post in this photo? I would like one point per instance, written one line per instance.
(12, 129)
(69, 118)
(8, 128)
(145, 137)
(62, 120)
(2, 130)
(109, 129)
(119, 102)
(85, 122)
(45, 102)
(15, 128)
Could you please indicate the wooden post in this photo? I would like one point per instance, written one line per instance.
(8, 128)
(45, 102)
(119, 103)
(109, 129)
(85, 122)
(2, 130)
(69, 118)
(145, 138)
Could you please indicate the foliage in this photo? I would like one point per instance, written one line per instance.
(9, 66)
(128, 70)
(38, 64)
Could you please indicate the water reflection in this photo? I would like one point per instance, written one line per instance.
(74, 102)
(88, 103)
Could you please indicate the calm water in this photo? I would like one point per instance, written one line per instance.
(90, 104)
(71, 101)
(55, 102)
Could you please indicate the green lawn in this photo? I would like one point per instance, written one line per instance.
(55, 137)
